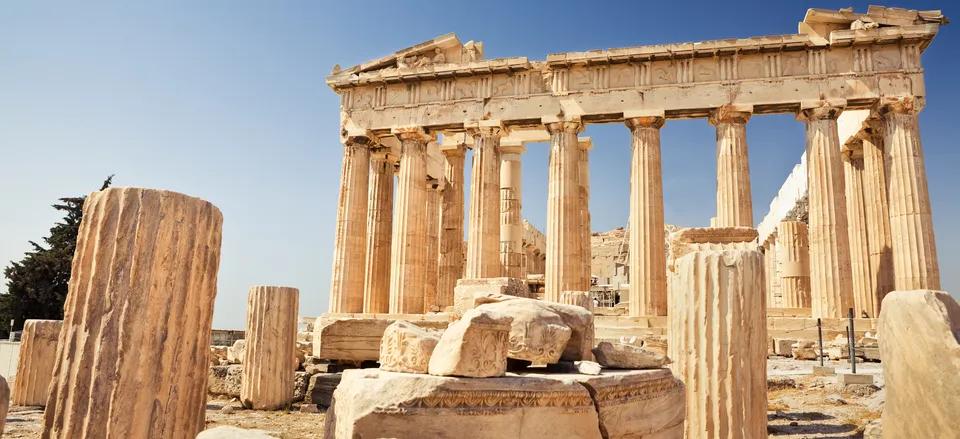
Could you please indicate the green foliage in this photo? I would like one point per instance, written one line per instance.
(37, 285)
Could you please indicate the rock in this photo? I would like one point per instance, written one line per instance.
(301, 380)
(577, 318)
(920, 353)
(780, 383)
(656, 343)
(227, 409)
(218, 355)
(835, 399)
(320, 390)
(309, 408)
(624, 356)
(303, 349)
(224, 380)
(805, 350)
(537, 333)
(235, 352)
(466, 289)
(783, 346)
(475, 346)
(589, 367)
(873, 430)
(406, 347)
(229, 432)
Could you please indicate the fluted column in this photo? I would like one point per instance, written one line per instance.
(717, 338)
(511, 202)
(349, 251)
(771, 274)
(38, 352)
(863, 296)
(451, 225)
(564, 237)
(648, 261)
(483, 233)
(376, 285)
(132, 354)
(830, 277)
(911, 221)
(878, 215)
(585, 251)
(794, 259)
(734, 205)
(269, 363)
(433, 244)
(408, 251)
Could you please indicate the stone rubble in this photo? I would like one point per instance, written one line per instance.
(625, 356)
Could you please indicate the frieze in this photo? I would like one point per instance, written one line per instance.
(484, 399)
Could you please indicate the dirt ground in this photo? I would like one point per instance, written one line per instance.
(801, 406)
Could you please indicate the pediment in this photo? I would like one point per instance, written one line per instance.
(445, 49)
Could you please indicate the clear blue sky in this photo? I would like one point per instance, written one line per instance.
(225, 100)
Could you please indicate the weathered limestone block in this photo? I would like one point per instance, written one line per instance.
(406, 347)
(584, 300)
(625, 356)
(320, 390)
(577, 318)
(154, 254)
(783, 346)
(537, 333)
(805, 350)
(466, 288)
(218, 354)
(236, 352)
(230, 432)
(4, 402)
(38, 352)
(637, 403)
(269, 362)
(300, 382)
(302, 350)
(688, 240)
(357, 337)
(919, 335)
(224, 380)
(718, 341)
(475, 346)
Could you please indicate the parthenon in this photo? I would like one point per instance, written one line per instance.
(854, 80)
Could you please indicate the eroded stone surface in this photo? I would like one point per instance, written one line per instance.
(38, 353)
(406, 347)
(919, 336)
(357, 337)
(537, 333)
(269, 361)
(577, 318)
(467, 288)
(625, 356)
(475, 346)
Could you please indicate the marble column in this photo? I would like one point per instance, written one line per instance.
(830, 276)
(717, 338)
(863, 297)
(734, 205)
(132, 357)
(563, 209)
(349, 251)
(38, 352)
(648, 261)
(451, 224)
(585, 249)
(269, 363)
(878, 214)
(511, 219)
(408, 252)
(794, 261)
(911, 222)
(771, 273)
(483, 232)
(433, 245)
(376, 283)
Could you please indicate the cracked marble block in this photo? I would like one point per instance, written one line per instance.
(406, 347)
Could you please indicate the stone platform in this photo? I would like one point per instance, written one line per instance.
(529, 405)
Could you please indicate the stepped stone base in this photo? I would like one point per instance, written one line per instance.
(614, 404)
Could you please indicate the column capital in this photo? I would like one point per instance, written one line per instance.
(413, 133)
(512, 147)
(458, 150)
(585, 143)
(899, 105)
(820, 110)
(359, 137)
(562, 124)
(644, 119)
(730, 114)
(383, 153)
(486, 128)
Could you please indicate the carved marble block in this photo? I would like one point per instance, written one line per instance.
(718, 341)
(269, 361)
(475, 346)
(407, 348)
(142, 372)
(38, 353)
(537, 334)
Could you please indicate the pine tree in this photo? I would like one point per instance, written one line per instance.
(37, 285)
